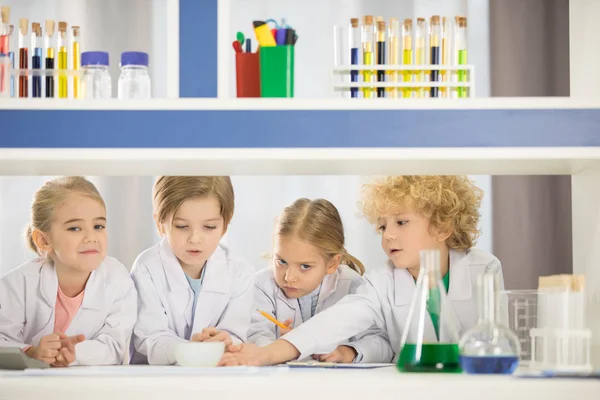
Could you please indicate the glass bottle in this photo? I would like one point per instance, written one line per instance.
(489, 347)
(430, 338)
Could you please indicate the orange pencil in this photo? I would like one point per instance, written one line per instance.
(272, 319)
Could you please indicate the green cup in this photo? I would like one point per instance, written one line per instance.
(277, 71)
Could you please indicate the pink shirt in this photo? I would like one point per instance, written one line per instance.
(66, 308)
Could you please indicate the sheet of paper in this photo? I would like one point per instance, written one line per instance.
(315, 364)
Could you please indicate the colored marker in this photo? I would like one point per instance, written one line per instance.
(263, 34)
(248, 46)
(237, 46)
(290, 36)
(280, 37)
(240, 37)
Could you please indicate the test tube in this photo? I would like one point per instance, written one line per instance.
(435, 32)
(460, 45)
(36, 59)
(394, 54)
(368, 32)
(445, 53)
(76, 61)
(63, 80)
(381, 56)
(23, 57)
(354, 40)
(407, 55)
(420, 58)
(5, 61)
(49, 45)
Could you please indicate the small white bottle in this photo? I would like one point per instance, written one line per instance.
(134, 81)
(95, 79)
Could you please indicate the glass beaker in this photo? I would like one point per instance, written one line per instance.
(430, 338)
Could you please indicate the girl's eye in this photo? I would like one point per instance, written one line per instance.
(402, 222)
(181, 226)
(305, 267)
(99, 227)
(74, 229)
(381, 228)
(281, 262)
(211, 227)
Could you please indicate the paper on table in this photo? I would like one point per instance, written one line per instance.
(316, 364)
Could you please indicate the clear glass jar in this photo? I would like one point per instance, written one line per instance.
(134, 80)
(96, 82)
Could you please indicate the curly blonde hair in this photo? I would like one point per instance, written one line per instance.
(443, 199)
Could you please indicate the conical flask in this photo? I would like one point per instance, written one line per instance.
(489, 347)
(430, 336)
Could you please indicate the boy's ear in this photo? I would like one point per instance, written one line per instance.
(159, 226)
(333, 264)
(444, 232)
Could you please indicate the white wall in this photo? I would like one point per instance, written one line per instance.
(259, 199)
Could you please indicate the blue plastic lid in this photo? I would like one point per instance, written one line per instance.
(134, 58)
(94, 58)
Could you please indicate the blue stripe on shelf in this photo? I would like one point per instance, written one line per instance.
(198, 48)
(268, 128)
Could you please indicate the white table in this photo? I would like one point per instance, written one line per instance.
(171, 383)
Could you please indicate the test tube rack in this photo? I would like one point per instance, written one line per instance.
(343, 82)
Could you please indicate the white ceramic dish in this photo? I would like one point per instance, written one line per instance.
(199, 354)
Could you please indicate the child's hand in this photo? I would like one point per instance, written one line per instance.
(288, 323)
(47, 350)
(242, 354)
(212, 335)
(66, 354)
(342, 354)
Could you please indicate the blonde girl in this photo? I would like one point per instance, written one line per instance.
(311, 272)
(72, 304)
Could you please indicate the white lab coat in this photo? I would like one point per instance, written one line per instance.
(106, 316)
(269, 297)
(165, 301)
(385, 302)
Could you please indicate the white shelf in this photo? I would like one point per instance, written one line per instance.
(383, 384)
(363, 161)
(497, 103)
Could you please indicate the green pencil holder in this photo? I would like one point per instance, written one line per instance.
(277, 71)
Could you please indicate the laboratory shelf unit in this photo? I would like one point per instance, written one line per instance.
(204, 132)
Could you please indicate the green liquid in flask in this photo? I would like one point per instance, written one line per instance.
(434, 358)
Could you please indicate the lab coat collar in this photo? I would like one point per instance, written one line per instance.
(460, 280)
(328, 286)
(48, 283)
(460, 276)
(215, 277)
(95, 290)
(404, 286)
